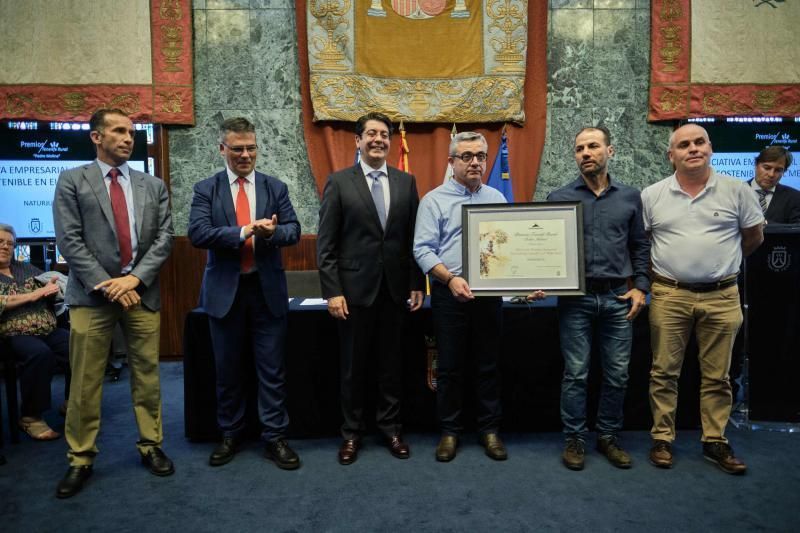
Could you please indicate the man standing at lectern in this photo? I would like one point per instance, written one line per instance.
(701, 224)
(616, 251)
(114, 228)
(780, 204)
(369, 277)
(243, 218)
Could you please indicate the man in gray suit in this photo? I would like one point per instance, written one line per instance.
(114, 228)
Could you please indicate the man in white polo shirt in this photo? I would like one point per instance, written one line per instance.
(701, 225)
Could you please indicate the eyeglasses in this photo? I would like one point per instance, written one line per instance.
(10, 244)
(467, 157)
(239, 150)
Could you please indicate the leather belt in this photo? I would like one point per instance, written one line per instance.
(697, 287)
(602, 285)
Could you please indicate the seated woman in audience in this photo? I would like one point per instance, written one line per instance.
(28, 326)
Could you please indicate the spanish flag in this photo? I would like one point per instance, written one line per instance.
(402, 162)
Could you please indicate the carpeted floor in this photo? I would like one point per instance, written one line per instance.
(531, 491)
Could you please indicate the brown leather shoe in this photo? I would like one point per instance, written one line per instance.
(348, 452)
(721, 454)
(610, 447)
(573, 454)
(398, 448)
(494, 446)
(661, 454)
(446, 450)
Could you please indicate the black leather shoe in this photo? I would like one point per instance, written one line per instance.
(279, 452)
(157, 462)
(72, 482)
(398, 448)
(224, 452)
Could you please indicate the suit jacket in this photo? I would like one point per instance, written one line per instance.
(784, 208)
(213, 226)
(354, 252)
(87, 236)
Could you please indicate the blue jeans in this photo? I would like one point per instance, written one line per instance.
(581, 319)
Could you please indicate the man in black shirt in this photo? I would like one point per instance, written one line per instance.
(616, 252)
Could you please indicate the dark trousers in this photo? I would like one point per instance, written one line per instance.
(37, 356)
(371, 340)
(467, 334)
(249, 328)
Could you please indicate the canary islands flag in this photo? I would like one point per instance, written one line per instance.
(499, 177)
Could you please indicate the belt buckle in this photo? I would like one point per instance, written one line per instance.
(671, 283)
(596, 286)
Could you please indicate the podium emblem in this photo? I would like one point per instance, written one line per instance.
(35, 225)
(779, 259)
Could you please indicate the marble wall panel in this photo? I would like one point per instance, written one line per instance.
(273, 49)
(571, 4)
(569, 57)
(267, 4)
(614, 4)
(231, 83)
(227, 4)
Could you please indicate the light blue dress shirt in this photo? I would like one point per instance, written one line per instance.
(437, 235)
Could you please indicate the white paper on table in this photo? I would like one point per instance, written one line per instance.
(314, 301)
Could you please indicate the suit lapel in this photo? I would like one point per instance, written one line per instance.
(225, 198)
(262, 195)
(95, 179)
(139, 198)
(775, 205)
(395, 202)
(360, 183)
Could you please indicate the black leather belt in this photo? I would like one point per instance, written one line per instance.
(602, 285)
(697, 287)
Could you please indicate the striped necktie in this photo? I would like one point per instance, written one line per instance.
(762, 199)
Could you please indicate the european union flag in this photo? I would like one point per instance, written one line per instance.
(499, 177)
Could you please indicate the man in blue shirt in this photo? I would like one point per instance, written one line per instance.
(616, 253)
(467, 328)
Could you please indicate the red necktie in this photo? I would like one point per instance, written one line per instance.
(243, 219)
(120, 208)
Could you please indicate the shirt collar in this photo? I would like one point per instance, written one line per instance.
(105, 167)
(461, 189)
(756, 187)
(232, 177)
(367, 169)
(581, 183)
(710, 184)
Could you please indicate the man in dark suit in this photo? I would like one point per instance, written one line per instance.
(369, 277)
(243, 218)
(114, 228)
(780, 204)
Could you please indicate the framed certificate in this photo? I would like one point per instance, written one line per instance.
(514, 249)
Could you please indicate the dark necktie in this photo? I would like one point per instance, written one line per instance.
(243, 219)
(120, 209)
(762, 199)
(377, 196)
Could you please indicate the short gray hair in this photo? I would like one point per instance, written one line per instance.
(466, 136)
(8, 228)
(672, 135)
